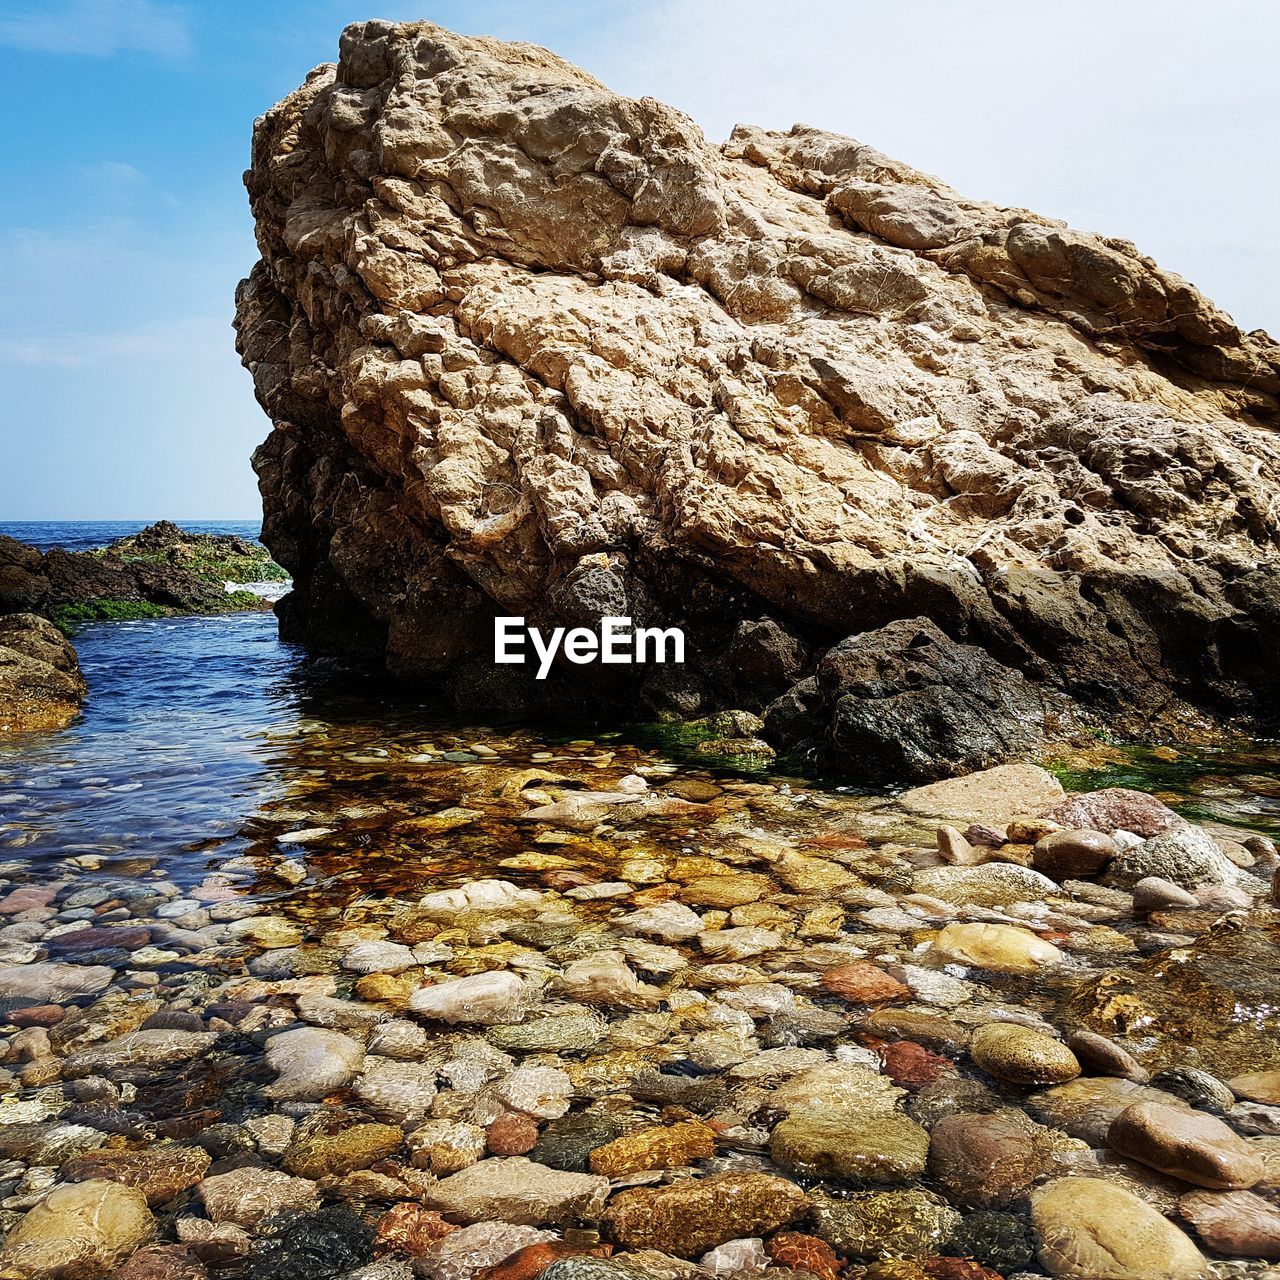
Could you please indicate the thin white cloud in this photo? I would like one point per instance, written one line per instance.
(97, 28)
(151, 341)
(1154, 120)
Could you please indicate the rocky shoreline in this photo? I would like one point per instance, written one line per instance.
(159, 572)
(929, 483)
(679, 1026)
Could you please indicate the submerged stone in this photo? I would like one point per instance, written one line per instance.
(1210, 1004)
(912, 1223)
(690, 1217)
(826, 1143)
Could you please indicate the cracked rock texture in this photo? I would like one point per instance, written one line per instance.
(530, 347)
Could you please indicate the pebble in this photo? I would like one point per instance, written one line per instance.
(244, 1197)
(543, 1092)
(162, 1262)
(994, 884)
(691, 1217)
(463, 1254)
(1152, 894)
(861, 982)
(1085, 1108)
(161, 1173)
(910, 1065)
(484, 999)
(52, 981)
(666, 921)
(607, 980)
(906, 1223)
(656, 1147)
(1020, 1055)
(379, 957)
(398, 1092)
(512, 1134)
(1238, 1223)
(311, 1062)
(1101, 1056)
(1091, 1229)
(985, 1161)
(800, 1252)
(1197, 1088)
(999, 948)
(568, 1143)
(827, 1143)
(561, 1033)
(330, 1155)
(1186, 1144)
(82, 1229)
(517, 1190)
(139, 1050)
(838, 1085)
(1062, 855)
(446, 1146)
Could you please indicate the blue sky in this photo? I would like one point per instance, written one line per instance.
(124, 225)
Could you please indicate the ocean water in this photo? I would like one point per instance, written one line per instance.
(84, 535)
(194, 727)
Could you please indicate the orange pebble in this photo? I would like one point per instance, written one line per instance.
(410, 1229)
(531, 1261)
(800, 1252)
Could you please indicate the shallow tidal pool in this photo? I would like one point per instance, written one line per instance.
(311, 978)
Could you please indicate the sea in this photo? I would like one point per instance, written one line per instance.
(194, 726)
(85, 535)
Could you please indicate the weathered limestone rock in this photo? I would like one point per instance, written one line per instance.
(922, 471)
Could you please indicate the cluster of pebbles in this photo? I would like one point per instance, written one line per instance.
(590, 1017)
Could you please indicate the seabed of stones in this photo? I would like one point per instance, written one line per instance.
(490, 1014)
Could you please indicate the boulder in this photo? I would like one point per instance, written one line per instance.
(40, 682)
(915, 471)
(991, 796)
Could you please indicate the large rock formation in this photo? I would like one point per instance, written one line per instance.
(533, 348)
(161, 569)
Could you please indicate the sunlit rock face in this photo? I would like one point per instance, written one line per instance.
(532, 348)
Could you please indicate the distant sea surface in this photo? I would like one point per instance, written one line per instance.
(84, 535)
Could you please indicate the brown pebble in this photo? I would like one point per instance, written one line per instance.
(862, 982)
(910, 1065)
(38, 1015)
(512, 1134)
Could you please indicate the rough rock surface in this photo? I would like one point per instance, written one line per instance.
(40, 681)
(530, 347)
(535, 348)
(163, 565)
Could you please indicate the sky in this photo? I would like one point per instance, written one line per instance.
(124, 225)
